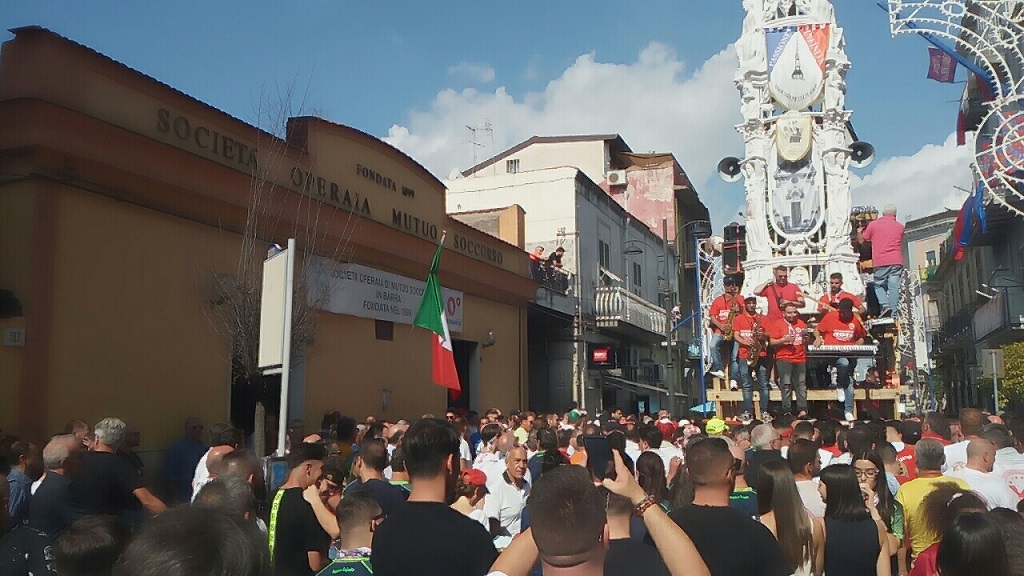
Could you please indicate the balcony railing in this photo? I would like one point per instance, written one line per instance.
(554, 279)
(615, 305)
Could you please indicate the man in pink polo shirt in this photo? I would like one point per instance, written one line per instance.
(886, 237)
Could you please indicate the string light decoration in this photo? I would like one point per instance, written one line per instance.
(988, 36)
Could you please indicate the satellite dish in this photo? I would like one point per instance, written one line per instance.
(861, 154)
(729, 169)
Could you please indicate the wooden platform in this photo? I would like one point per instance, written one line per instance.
(729, 404)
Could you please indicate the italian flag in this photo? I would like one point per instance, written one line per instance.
(431, 316)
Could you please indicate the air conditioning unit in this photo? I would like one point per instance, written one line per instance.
(616, 177)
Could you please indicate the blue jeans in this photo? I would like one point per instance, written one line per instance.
(844, 380)
(792, 376)
(887, 286)
(734, 365)
(747, 382)
(716, 351)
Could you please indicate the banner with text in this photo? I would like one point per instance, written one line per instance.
(368, 293)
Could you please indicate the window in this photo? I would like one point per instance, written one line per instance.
(604, 254)
(385, 330)
(638, 277)
(512, 166)
(930, 258)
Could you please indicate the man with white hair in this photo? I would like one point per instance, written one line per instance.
(886, 237)
(107, 483)
(53, 510)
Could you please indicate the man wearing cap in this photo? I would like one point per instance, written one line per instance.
(745, 328)
(722, 309)
(716, 427)
(842, 328)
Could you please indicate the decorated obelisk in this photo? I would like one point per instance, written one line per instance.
(798, 144)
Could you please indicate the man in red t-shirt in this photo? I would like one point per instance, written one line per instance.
(842, 328)
(745, 328)
(836, 294)
(718, 316)
(779, 293)
(789, 337)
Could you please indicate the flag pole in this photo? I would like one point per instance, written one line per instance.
(286, 358)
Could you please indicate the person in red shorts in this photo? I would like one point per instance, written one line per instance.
(789, 337)
(842, 328)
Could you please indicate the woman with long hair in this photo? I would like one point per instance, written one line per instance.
(470, 492)
(1011, 524)
(972, 545)
(650, 474)
(800, 536)
(880, 502)
(855, 544)
(938, 510)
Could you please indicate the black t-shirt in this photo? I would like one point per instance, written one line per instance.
(429, 538)
(388, 496)
(754, 460)
(626, 557)
(297, 533)
(25, 550)
(731, 543)
(53, 510)
(106, 484)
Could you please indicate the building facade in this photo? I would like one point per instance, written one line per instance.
(597, 332)
(126, 203)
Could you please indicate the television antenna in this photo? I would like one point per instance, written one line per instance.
(485, 127)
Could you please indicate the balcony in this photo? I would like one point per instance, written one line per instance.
(617, 308)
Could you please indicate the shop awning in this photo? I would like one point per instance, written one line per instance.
(632, 386)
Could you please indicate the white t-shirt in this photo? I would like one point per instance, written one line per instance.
(667, 451)
(811, 498)
(464, 452)
(505, 502)
(201, 475)
(632, 450)
(956, 456)
(989, 485)
(1010, 467)
(481, 517)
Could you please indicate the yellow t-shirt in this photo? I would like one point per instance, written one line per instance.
(521, 435)
(910, 496)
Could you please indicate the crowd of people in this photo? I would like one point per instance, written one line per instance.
(527, 493)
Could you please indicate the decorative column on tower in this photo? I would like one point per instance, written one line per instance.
(798, 144)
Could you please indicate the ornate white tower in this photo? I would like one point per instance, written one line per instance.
(798, 145)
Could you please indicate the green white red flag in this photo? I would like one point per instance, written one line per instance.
(431, 316)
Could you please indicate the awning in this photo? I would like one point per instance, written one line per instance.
(705, 408)
(632, 386)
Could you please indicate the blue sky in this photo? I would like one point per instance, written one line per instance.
(416, 73)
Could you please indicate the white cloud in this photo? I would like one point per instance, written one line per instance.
(921, 184)
(472, 71)
(655, 103)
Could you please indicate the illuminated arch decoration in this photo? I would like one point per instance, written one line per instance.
(984, 37)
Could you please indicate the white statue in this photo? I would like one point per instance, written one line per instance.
(835, 87)
(837, 181)
(755, 178)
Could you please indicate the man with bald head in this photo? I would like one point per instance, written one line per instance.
(886, 237)
(972, 420)
(981, 458)
(214, 466)
(507, 494)
(53, 510)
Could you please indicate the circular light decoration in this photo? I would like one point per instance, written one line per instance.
(999, 152)
(953, 9)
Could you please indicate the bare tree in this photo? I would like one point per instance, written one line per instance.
(234, 302)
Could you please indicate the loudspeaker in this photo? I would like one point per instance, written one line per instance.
(861, 154)
(729, 169)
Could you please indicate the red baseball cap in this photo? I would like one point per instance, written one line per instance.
(474, 477)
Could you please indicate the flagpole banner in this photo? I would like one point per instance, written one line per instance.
(796, 63)
(431, 316)
(369, 293)
(795, 196)
(941, 66)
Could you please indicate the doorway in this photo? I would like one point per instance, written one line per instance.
(467, 364)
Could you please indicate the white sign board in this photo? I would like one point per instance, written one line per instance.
(275, 280)
(992, 363)
(369, 293)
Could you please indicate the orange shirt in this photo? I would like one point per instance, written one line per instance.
(796, 351)
(720, 310)
(835, 332)
(743, 325)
